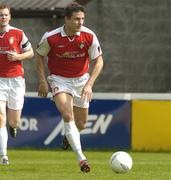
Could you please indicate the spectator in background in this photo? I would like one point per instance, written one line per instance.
(69, 50)
(14, 48)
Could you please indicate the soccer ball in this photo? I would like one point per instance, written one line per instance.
(121, 162)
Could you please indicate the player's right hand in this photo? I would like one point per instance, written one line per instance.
(43, 89)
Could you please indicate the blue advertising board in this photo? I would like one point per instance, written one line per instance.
(108, 125)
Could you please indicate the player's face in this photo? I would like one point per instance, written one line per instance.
(4, 17)
(75, 22)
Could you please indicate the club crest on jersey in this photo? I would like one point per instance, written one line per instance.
(11, 40)
(81, 45)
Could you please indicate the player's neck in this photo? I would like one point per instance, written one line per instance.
(69, 32)
(3, 29)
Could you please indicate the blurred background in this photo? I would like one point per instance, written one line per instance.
(135, 36)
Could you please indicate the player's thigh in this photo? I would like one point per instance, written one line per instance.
(80, 117)
(64, 103)
(2, 113)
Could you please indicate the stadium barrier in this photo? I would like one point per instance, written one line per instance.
(116, 120)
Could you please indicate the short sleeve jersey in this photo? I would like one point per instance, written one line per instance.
(12, 40)
(69, 56)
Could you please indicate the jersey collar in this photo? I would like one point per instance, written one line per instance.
(63, 34)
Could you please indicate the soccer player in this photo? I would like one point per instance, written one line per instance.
(69, 50)
(14, 48)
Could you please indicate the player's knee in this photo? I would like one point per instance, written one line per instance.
(14, 122)
(81, 125)
(67, 116)
(2, 119)
(2, 116)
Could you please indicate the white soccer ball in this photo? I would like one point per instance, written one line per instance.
(121, 162)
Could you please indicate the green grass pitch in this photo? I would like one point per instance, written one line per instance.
(62, 165)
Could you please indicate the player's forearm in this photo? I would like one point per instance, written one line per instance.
(14, 56)
(96, 71)
(26, 55)
(40, 68)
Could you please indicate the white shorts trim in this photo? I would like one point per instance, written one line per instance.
(72, 86)
(12, 91)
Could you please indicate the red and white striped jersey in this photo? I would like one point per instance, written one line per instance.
(69, 56)
(13, 39)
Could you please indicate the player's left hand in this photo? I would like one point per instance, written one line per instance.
(87, 93)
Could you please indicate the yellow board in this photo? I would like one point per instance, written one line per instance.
(151, 125)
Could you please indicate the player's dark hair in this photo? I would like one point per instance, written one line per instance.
(73, 7)
(5, 6)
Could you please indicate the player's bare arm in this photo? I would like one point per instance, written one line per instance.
(14, 56)
(87, 90)
(43, 85)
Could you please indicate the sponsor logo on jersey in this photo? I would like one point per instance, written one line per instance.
(60, 46)
(4, 50)
(71, 55)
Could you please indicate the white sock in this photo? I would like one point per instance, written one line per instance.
(3, 141)
(73, 137)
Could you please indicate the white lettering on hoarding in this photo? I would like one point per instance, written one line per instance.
(28, 124)
(101, 124)
(95, 123)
